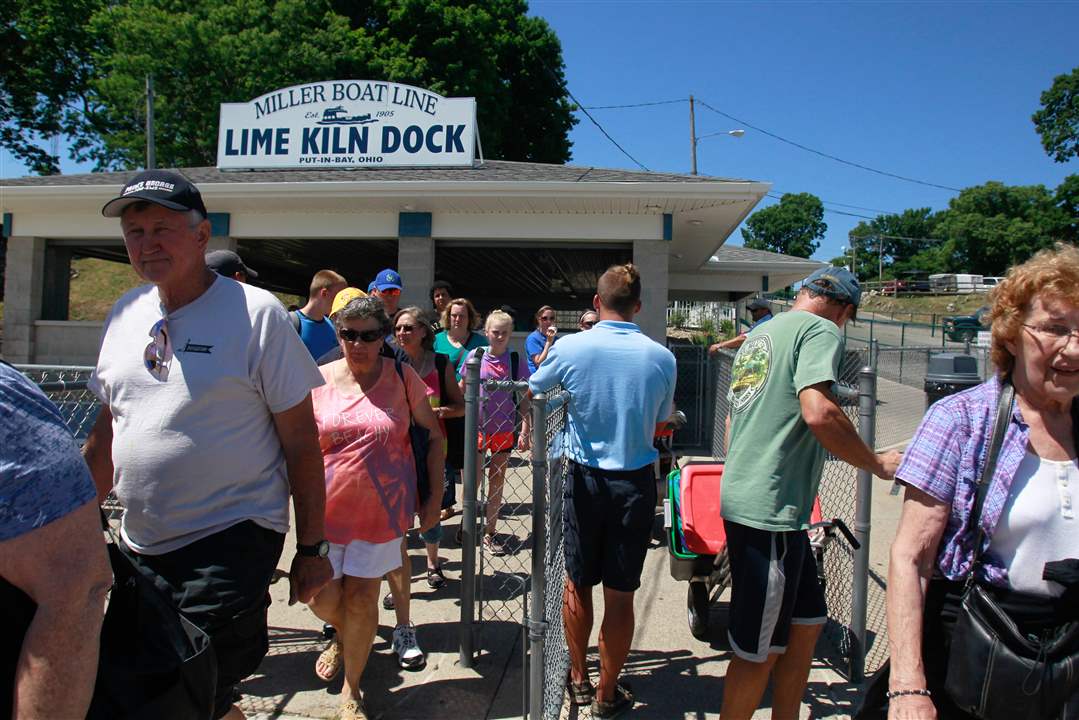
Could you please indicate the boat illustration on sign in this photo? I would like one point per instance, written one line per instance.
(338, 116)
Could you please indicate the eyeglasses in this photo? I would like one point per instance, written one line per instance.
(588, 324)
(405, 328)
(158, 354)
(392, 292)
(367, 336)
(1060, 333)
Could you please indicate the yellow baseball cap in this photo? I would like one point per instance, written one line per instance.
(345, 297)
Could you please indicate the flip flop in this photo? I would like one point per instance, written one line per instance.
(330, 658)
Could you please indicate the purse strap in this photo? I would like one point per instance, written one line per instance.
(1000, 426)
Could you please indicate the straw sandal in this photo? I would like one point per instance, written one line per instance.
(330, 660)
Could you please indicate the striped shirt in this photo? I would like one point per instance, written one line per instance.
(945, 460)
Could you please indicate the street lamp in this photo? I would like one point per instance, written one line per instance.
(694, 138)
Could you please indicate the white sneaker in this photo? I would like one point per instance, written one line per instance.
(408, 650)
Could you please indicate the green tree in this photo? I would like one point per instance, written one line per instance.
(895, 239)
(1058, 120)
(1067, 199)
(793, 227)
(994, 226)
(205, 52)
(44, 49)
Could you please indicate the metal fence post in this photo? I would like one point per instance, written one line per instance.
(867, 401)
(468, 511)
(537, 624)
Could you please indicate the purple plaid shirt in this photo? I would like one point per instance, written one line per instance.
(945, 459)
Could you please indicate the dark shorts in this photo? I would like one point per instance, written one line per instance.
(773, 585)
(221, 583)
(608, 518)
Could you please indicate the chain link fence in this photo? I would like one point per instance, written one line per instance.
(66, 387)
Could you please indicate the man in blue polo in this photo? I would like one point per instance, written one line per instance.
(622, 386)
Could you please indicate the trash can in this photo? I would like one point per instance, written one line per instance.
(949, 373)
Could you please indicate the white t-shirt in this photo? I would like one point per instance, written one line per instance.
(198, 452)
(1038, 524)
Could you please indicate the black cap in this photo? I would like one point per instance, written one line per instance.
(162, 187)
(228, 263)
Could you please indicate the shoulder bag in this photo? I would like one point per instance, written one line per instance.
(995, 672)
(419, 438)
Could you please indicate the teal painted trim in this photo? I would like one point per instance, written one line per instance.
(5, 231)
(414, 224)
(219, 224)
(668, 227)
(764, 283)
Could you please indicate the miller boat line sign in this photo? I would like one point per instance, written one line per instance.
(347, 123)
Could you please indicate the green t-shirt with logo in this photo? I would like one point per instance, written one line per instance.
(774, 461)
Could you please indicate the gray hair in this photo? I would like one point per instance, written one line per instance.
(361, 309)
(194, 218)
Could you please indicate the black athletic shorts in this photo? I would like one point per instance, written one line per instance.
(221, 583)
(773, 585)
(608, 523)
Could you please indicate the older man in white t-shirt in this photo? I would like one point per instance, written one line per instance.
(207, 429)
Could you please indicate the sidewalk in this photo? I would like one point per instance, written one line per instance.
(673, 674)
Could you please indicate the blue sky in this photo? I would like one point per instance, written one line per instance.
(941, 92)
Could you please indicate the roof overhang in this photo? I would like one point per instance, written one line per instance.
(703, 214)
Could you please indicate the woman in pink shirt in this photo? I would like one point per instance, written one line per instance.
(363, 413)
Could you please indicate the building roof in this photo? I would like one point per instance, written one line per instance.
(737, 254)
(488, 171)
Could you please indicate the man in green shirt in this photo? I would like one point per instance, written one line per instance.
(784, 419)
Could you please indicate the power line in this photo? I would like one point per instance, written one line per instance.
(826, 155)
(565, 86)
(634, 105)
(828, 209)
(839, 204)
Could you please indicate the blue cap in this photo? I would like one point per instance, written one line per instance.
(838, 283)
(386, 279)
(370, 287)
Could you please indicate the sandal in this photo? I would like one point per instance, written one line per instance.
(580, 694)
(352, 710)
(623, 700)
(387, 602)
(330, 660)
(435, 578)
(446, 514)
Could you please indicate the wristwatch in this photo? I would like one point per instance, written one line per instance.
(320, 549)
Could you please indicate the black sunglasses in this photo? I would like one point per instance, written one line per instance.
(367, 336)
(588, 324)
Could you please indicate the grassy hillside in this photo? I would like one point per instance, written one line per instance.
(97, 284)
(923, 306)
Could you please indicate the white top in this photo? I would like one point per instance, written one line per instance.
(198, 452)
(1038, 524)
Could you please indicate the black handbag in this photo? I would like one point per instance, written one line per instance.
(419, 438)
(995, 672)
(154, 663)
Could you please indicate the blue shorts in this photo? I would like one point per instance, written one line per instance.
(773, 586)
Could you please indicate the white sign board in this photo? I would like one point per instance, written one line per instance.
(984, 339)
(347, 123)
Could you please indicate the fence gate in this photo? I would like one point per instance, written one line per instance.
(691, 394)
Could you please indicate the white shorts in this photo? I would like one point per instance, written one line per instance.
(362, 559)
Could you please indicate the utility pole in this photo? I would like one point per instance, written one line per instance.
(692, 138)
(880, 258)
(151, 153)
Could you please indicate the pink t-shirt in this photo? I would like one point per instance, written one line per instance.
(370, 474)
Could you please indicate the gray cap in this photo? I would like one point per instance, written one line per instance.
(228, 263)
(758, 304)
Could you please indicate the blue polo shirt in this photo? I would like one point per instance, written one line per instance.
(621, 384)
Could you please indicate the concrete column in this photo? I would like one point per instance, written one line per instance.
(416, 264)
(651, 258)
(23, 283)
(415, 258)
